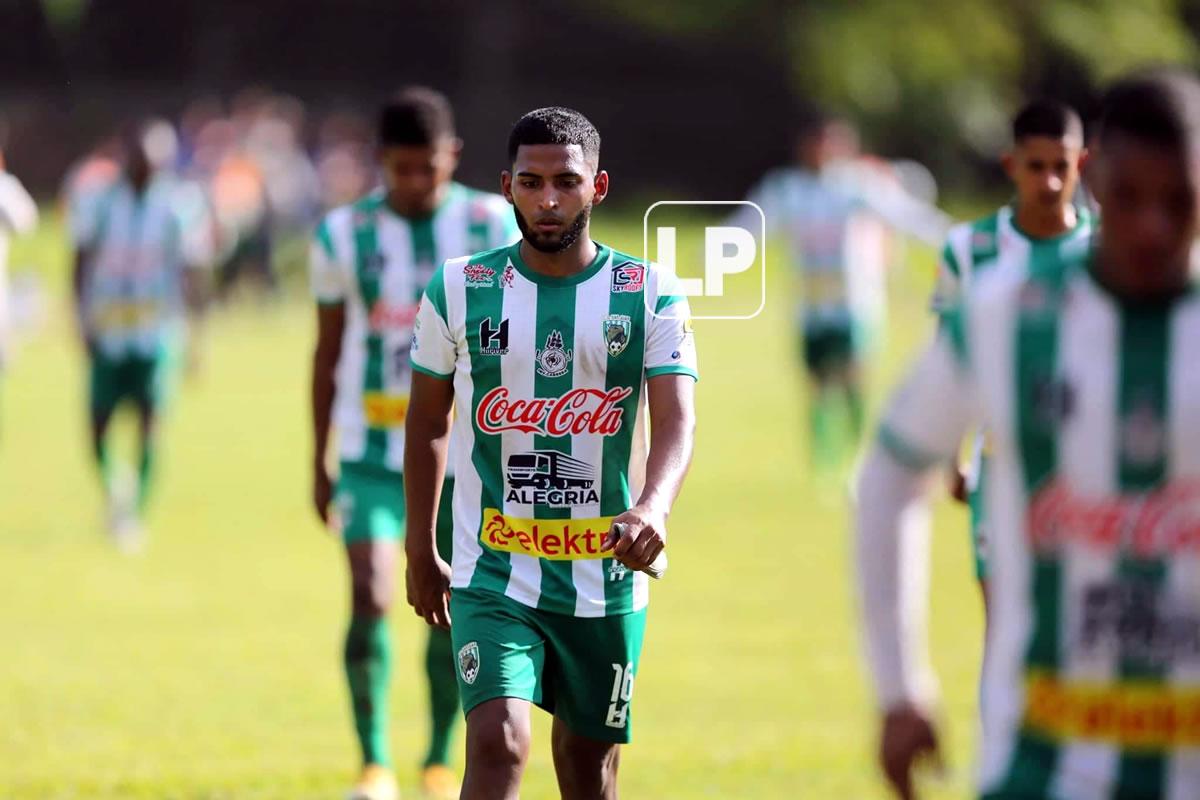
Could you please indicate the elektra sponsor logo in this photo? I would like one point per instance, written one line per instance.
(555, 539)
(550, 478)
(579, 411)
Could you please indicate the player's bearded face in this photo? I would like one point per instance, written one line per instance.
(554, 241)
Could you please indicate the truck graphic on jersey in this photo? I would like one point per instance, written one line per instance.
(550, 478)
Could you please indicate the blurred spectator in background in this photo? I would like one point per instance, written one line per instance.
(131, 284)
(836, 210)
(18, 214)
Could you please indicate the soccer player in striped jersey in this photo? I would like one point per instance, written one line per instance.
(370, 262)
(1043, 163)
(134, 276)
(1081, 365)
(836, 212)
(554, 355)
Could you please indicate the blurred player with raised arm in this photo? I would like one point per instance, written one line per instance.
(551, 357)
(1043, 163)
(835, 213)
(1079, 363)
(371, 261)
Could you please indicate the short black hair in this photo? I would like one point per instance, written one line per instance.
(1048, 118)
(556, 125)
(416, 115)
(1160, 107)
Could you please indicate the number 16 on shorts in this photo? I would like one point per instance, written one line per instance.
(622, 693)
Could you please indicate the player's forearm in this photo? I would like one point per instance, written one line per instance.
(426, 445)
(672, 439)
(892, 560)
(323, 387)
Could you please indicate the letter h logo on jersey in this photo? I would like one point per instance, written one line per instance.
(493, 341)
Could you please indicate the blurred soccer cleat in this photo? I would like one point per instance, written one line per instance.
(375, 783)
(438, 782)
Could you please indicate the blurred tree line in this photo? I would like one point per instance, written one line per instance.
(939, 79)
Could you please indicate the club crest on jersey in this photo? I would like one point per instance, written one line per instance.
(506, 278)
(552, 360)
(468, 662)
(549, 478)
(616, 333)
(629, 276)
(479, 276)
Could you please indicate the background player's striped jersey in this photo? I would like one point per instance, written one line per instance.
(1092, 682)
(975, 246)
(133, 294)
(550, 435)
(835, 224)
(377, 263)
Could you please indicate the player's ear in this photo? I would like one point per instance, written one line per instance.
(506, 186)
(1008, 161)
(600, 185)
(1084, 154)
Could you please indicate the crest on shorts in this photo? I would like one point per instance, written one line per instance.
(616, 333)
(468, 662)
(552, 360)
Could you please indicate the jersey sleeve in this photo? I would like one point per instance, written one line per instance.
(327, 274)
(670, 342)
(434, 349)
(930, 411)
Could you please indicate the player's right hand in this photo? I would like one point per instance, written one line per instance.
(427, 581)
(908, 736)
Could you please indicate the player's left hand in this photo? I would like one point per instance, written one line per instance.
(647, 537)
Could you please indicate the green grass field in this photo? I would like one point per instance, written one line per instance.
(209, 666)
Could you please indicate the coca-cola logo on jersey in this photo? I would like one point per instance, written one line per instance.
(579, 411)
(1145, 525)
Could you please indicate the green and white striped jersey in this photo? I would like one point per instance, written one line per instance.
(550, 436)
(975, 246)
(377, 263)
(1092, 683)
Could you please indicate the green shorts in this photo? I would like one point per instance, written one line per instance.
(371, 503)
(140, 379)
(580, 669)
(828, 349)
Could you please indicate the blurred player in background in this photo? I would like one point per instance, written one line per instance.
(835, 210)
(132, 281)
(370, 263)
(549, 356)
(1080, 364)
(1043, 163)
(18, 215)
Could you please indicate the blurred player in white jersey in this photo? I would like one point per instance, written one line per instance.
(18, 215)
(836, 212)
(133, 280)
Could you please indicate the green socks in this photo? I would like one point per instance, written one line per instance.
(368, 660)
(145, 472)
(443, 695)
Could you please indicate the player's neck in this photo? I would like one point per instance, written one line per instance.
(575, 258)
(1046, 225)
(1129, 288)
(398, 208)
